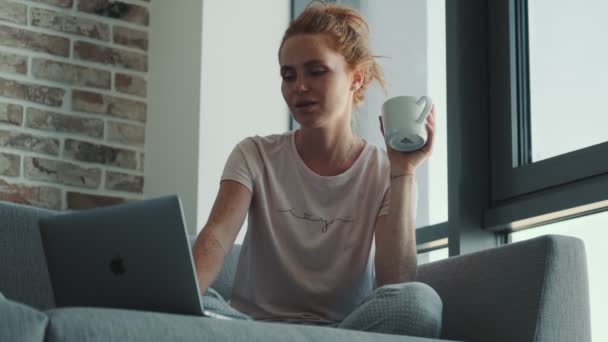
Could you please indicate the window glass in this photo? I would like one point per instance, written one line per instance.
(568, 50)
(431, 256)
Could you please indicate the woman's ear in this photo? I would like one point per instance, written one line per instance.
(358, 77)
(357, 80)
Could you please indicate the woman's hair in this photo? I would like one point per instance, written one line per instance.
(348, 35)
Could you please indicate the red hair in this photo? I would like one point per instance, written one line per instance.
(348, 34)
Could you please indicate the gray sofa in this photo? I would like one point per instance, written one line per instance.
(529, 291)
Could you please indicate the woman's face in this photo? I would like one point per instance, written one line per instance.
(316, 80)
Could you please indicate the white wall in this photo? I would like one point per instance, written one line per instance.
(399, 34)
(437, 87)
(172, 132)
(241, 82)
(207, 97)
(411, 37)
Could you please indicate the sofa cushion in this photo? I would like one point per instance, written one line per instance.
(102, 324)
(225, 279)
(23, 273)
(20, 322)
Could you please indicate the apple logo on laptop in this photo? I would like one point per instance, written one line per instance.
(117, 265)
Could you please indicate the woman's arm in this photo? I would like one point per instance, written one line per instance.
(217, 236)
(395, 235)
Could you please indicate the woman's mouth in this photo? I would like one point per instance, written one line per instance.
(305, 104)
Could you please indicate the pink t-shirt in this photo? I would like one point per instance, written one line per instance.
(306, 254)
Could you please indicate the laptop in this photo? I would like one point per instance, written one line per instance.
(130, 256)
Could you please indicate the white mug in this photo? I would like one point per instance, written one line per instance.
(404, 119)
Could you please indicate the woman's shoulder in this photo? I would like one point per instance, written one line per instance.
(377, 154)
(266, 143)
(377, 166)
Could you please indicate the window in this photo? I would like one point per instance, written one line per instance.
(549, 148)
(544, 165)
(592, 230)
(568, 75)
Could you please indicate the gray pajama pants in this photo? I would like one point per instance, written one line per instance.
(412, 309)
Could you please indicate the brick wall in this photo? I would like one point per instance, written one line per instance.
(73, 79)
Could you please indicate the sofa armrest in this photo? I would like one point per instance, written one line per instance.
(24, 275)
(531, 291)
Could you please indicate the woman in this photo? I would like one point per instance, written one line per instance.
(319, 199)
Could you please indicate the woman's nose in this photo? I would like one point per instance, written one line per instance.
(301, 85)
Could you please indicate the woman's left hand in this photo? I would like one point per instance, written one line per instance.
(407, 162)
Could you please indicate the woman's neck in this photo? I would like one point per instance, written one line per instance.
(328, 151)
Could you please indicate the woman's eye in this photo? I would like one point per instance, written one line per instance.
(318, 72)
(288, 77)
